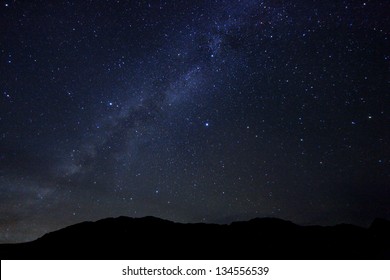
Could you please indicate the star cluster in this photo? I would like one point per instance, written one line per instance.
(193, 111)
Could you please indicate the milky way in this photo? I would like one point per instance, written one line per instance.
(193, 111)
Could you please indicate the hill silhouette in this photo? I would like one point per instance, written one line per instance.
(154, 238)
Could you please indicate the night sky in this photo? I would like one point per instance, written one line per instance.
(193, 111)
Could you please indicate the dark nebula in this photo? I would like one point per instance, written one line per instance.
(193, 111)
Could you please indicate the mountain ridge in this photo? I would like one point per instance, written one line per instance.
(155, 238)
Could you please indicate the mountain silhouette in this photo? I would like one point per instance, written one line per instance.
(154, 238)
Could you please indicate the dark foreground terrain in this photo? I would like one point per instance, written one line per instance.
(153, 238)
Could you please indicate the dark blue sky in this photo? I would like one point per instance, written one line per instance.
(193, 111)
